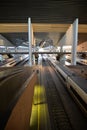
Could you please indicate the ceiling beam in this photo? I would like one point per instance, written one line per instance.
(23, 27)
(13, 28)
(61, 28)
(82, 28)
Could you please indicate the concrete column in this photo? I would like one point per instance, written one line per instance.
(74, 43)
(30, 41)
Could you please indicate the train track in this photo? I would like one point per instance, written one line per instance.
(64, 113)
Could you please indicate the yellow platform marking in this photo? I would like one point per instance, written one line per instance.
(39, 116)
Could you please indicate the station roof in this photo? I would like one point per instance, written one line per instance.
(42, 12)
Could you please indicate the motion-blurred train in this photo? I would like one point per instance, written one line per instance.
(77, 89)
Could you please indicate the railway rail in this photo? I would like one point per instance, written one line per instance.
(64, 113)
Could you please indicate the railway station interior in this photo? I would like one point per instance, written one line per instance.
(43, 65)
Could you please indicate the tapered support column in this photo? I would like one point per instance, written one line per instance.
(74, 43)
(30, 41)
